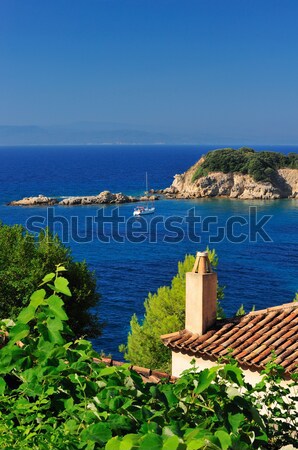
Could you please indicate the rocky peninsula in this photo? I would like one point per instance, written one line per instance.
(103, 198)
(265, 181)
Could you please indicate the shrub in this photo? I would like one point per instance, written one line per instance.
(55, 395)
(24, 260)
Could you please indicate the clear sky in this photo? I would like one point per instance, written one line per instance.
(219, 69)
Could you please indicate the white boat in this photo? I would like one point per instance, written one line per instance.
(143, 210)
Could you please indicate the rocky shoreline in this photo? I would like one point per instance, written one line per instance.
(103, 198)
(232, 185)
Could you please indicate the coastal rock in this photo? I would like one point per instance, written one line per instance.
(233, 185)
(146, 198)
(105, 197)
(40, 200)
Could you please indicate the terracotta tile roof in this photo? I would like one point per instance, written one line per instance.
(250, 339)
(148, 375)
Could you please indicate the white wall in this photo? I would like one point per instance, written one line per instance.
(181, 362)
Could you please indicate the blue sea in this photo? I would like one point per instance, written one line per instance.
(255, 272)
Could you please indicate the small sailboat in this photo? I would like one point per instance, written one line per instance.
(143, 210)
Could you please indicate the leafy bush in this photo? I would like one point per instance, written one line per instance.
(164, 313)
(55, 395)
(262, 166)
(24, 260)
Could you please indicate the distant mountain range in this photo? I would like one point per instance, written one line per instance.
(85, 133)
(96, 133)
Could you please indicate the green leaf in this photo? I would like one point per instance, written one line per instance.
(68, 404)
(98, 432)
(61, 285)
(37, 298)
(196, 444)
(113, 444)
(107, 371)
(71, 426)
(118, 423)
(18, 332)
(51, 332)
(205, 379)
(224, 439)
(235, 421)
(167, 390)
(130, 442)
(151, 441)
(56, 306)
(26, 314)
(60, 268)
(234, 374)
(54, 324)
(173, 443)
(2, 386)
(47, 278)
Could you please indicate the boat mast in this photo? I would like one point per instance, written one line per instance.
(147, 188)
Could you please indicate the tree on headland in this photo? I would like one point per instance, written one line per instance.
(261, 166)
(24, 260)
(164, 313)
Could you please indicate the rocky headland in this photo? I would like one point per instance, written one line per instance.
(103, 198)
(283, 183)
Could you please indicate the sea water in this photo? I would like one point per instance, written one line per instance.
(255, 272)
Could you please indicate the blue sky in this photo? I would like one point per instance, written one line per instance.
(217, 70)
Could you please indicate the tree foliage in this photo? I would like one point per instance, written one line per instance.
(24, 260)
(56, 395)
(262, 166)
(164, 313)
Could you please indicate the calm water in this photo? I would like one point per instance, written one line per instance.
(254, 273)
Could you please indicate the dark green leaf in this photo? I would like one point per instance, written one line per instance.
(18, 332)
(205, 379)
(235, 421)
(98, 432)
(2, 386)
(27, 314)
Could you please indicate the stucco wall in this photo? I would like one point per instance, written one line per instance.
(181, 362)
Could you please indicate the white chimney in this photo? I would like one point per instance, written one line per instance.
(201, 296)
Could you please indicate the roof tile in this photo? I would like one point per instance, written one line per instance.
(252, 338)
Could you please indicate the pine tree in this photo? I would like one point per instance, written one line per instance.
(164, 313)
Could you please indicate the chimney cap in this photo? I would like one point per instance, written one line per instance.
(202, 263)
(199, 254)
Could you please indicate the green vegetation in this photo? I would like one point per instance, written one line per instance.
(164, 313)
(24, 260)
(262, 166)
(55, 396)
